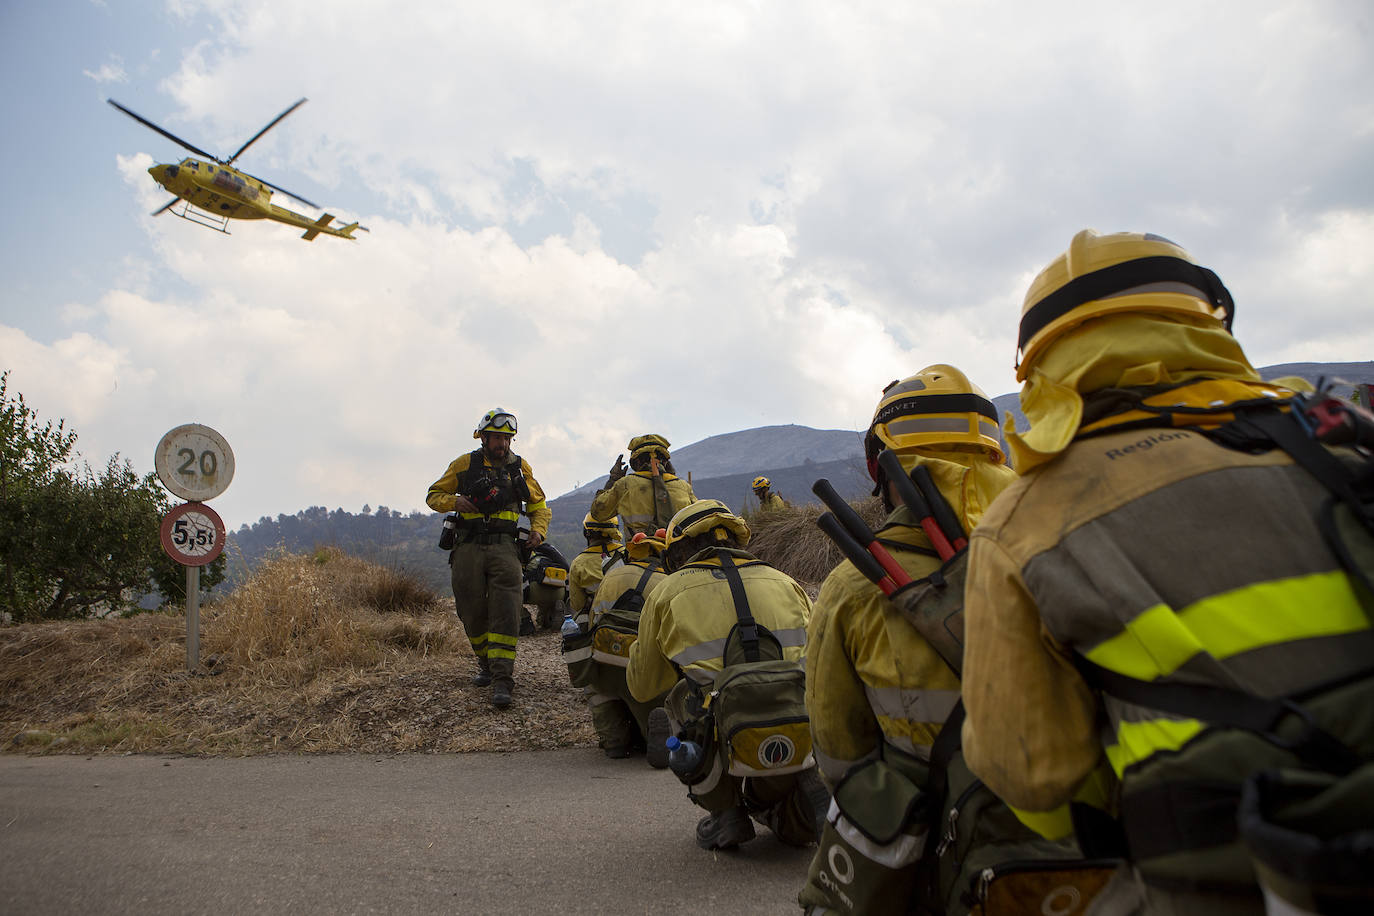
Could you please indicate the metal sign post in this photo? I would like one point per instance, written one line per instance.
(195, 463)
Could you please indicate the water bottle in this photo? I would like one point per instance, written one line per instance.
(684, 757)
(449, 533)
(570, 627)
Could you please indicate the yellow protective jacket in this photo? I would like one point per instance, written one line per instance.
(1158, 554)
(685, 622)
(870, 676)
(770, 502)
(584, 578)
(444, 491)
(632, 498)
(623, 578)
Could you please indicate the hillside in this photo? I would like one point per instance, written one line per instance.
(793, 457)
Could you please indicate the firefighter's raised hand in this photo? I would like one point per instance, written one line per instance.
(618, 469)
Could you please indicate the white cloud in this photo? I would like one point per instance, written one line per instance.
(112, 71)
(693, 219)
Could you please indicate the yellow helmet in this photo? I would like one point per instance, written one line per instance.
(608, 530)
(937, 406)
(761, 482)
(702, 516)
(496, 420)
(1105, 274)
(648, 442)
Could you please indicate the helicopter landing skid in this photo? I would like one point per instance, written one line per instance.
(201, 217)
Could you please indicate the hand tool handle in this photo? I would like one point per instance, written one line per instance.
(854, 552)
(949, 522)
(917, 503)
(859, 529)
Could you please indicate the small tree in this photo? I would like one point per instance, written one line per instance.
(73, 543)
(31, 452)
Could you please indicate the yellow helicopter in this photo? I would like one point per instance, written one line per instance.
(212, 193)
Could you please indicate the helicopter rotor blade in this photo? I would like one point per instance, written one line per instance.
(270, 125)
(308, 203)
(168, 205)
(170, 136)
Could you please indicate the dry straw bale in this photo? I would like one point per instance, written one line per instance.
(789, 539)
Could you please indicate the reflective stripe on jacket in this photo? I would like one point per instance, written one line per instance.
(687, 618)
(444, 491)
(870, 676)
(1161, 555)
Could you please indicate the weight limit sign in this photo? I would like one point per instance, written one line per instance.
(193, 534)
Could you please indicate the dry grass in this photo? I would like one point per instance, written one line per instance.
(313, 654)
(789, 539)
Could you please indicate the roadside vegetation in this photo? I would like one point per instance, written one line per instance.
(314, 652)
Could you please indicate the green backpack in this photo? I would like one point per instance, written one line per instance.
(758, 700)
(616, 630)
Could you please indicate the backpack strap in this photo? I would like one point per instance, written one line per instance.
(1266, 427)
(1232, 708)
(634, 598)
(947, 743)
(748, 629)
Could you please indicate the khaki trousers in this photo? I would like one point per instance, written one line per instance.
(487, 592)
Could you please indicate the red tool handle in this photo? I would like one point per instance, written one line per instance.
(859, 529)
(855, 553)
(907, 492)
(949, 522)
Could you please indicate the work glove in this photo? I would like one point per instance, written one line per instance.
(618, 469)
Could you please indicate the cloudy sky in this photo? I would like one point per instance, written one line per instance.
(619, 217)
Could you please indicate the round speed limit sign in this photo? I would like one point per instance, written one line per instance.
(194, 462)
(193, 534)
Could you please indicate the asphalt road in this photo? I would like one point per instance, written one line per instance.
(534, 832)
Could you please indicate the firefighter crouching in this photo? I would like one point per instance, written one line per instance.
(1168, 592)
(624, 724)
(603, 551)
(724, 634)
(910, 831)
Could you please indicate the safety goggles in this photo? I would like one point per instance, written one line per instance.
(500, 423)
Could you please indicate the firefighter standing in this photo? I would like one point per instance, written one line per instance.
(1141, 555)
(488, 489)
(649, 495)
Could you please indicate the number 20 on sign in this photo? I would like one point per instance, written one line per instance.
(194, 462)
